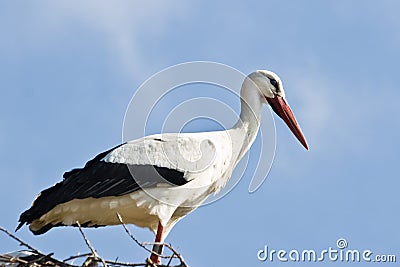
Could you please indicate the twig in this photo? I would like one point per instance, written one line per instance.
(77, 257)
(39, 259)
(32, 249)
(175, 254)
(183, 263)
(125, 263)
(143, 245)
(94, 253)
(169, 261)
(13, 259)
(22, 243)
(129, 233)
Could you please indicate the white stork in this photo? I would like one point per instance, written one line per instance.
(156, 180)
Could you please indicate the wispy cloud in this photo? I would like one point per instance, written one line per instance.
(119, 25)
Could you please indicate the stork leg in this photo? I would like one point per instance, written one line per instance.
(156, 247)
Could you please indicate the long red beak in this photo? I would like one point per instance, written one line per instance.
(283, 110)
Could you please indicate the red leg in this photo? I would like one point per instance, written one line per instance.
(157, 248)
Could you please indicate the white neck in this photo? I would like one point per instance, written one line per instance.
(245, 130)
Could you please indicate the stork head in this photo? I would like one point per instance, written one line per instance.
(271, 88)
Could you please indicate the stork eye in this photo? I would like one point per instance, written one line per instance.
(274, 83)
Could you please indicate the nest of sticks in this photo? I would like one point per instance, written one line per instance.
(32, 257)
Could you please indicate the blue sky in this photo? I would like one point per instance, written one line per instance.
(69, 69)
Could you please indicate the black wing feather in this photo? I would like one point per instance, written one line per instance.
(99, 179)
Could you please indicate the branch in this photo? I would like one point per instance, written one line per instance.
(39, 255)
(35, 258)
(21, 243)
(175, 254)
(94, 253)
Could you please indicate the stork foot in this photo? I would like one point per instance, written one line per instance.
(155, 258)
(151, 262)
